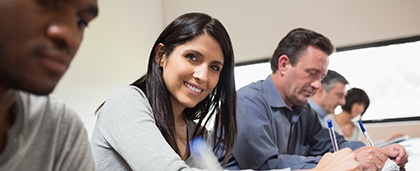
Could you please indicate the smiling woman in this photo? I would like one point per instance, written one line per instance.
(191, 71)
(148, 125)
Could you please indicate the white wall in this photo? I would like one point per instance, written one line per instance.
(114, 52)
(117, 43)
(256, 27)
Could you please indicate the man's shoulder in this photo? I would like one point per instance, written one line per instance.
(48, 117)
(251, 89)
(51, 129)
(48, 109)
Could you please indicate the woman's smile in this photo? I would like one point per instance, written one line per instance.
(193, 89)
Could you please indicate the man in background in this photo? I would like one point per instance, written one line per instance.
(38, 40)
(331, 94)
(276, 126)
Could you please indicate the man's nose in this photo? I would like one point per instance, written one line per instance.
(316, 84)
(64, 29)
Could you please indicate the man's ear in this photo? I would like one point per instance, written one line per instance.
(159, 54)
(284, 64)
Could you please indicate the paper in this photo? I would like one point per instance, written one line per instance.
(395, 140)
(390, 166)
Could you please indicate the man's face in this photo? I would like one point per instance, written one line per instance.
(333, 98)
(304, 78)
(38, 40)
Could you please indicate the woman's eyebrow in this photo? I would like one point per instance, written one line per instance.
(197, 52)
(201, 55)
(218, 62)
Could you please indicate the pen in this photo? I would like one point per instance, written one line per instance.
(332, 135)
(389, 164)
(365, 133)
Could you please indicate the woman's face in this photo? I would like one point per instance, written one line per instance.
(357, 108)
(192, 71)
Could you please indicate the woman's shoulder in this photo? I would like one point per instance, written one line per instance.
(128, 90)
(125, 100)
(127, 94)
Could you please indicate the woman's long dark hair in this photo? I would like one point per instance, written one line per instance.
(221, 101)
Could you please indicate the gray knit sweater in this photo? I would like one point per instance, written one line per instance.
(126, 137)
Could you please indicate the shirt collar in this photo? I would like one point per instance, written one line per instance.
(321, 112)
(271, 94)
(273, 97)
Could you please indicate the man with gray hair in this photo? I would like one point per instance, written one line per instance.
(331, 94)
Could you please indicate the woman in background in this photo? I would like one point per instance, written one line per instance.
(190, 77)
(357, 102)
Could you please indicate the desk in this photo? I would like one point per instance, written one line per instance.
(413, 149)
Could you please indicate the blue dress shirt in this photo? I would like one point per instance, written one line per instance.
(320, 112)
(273, 136)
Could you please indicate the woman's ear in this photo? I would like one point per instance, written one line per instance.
(159, 54)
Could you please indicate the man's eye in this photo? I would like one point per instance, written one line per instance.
(81, 23)
(312, 73)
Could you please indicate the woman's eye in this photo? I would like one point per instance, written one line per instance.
(191, 57)
(81, 23)
(215, 68)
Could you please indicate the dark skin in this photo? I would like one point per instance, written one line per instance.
(7, 116)
(39, 40)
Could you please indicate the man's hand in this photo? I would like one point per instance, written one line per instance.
(371, 158)
(397, 153)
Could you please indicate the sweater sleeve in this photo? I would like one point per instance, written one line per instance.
(130, 136)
